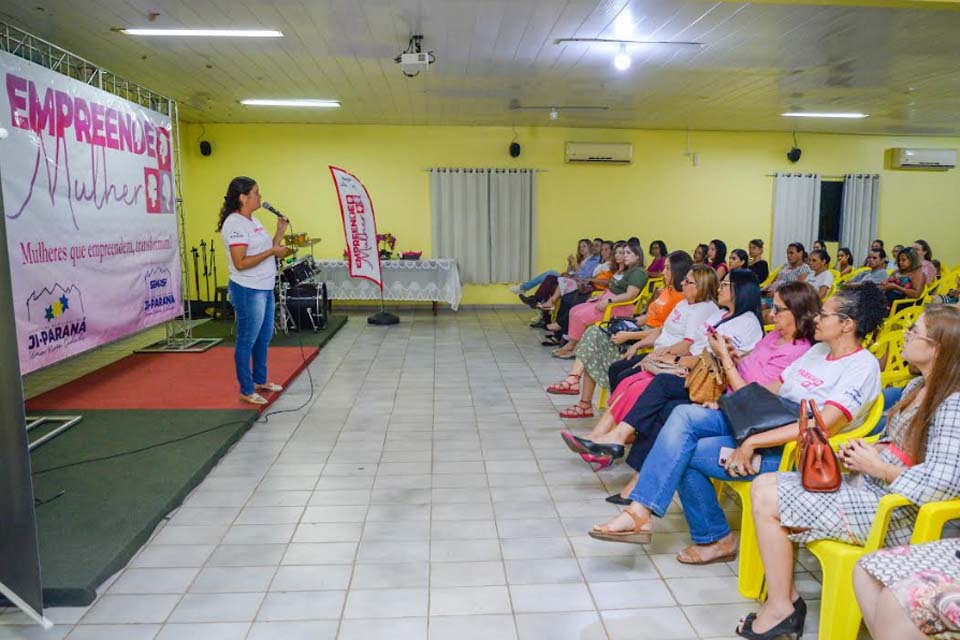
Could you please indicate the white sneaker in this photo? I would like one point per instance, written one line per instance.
(515, 288)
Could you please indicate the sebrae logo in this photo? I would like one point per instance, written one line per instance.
(58, 314)
(158, 291)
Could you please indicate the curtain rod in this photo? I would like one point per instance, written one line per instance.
(828, 177)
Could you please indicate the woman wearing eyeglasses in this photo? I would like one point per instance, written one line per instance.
(838, 373)
(917, 458)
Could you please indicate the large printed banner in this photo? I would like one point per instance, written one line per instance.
(359, 226)
(89, 201)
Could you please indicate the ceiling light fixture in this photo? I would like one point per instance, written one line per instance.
(208, 33)
(622, 60)
(681, 43)
(554, 114)
(813, 114)
(316, 104)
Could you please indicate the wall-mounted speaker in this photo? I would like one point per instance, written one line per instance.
(205, 148)
(794, 154)
(514, 149)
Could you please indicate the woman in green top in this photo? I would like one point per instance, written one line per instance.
(624, 286)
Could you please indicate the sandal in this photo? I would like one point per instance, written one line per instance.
(637, 535)
(565, 388)
(553, 326)
(691, 555)
(564, 355)
(551, 340)
(268, 386)
(254, 398)
(580, 410)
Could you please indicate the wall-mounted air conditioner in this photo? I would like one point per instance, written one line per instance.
(924, 158)
(602, 152)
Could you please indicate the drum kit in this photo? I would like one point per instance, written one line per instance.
(301, 296)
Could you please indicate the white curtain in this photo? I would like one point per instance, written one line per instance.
(796, 212)
(861, 198)
(485, 219)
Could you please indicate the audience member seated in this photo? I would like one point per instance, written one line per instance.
(605, 270)
(877, 261)
(738, 325)
(796, 268)
(844, 261)
(738, 260)
(717, 257)
(822, 278)
(580, 264)
(911, 592)
(917, 459)
(682, 330)
(876, 245)
(598, 350)
(795, 307)
(925, 253)
(700, 254)
(819, 245)
(686, 454)
(908, 281)
(757, 263)
(892, 258)
(658, 251)
(623, 287)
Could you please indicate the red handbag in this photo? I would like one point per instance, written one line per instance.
(817, 464)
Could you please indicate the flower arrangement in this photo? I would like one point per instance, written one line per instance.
(386, 242)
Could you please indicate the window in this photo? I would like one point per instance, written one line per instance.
(831, 205)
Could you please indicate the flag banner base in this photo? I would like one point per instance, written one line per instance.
(383, 318)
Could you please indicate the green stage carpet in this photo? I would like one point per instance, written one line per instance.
(109, 508)
(222, 329)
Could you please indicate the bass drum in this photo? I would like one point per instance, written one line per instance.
(307, 304)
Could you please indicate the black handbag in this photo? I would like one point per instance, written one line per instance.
(616, 325)
(754, 409)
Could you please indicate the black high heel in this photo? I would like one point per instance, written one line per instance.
(589, 446)
(792, 625)
(616, 498)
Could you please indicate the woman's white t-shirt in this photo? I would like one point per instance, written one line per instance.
(744, 331)
(850, 383)
(685, 322)
(824, 279)
(238, 231)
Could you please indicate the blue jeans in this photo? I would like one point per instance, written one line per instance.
(891, 395)
(684, 458)
(537, 280)
(254, 309)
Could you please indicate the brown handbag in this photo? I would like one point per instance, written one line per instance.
(707, 381)
(817, 464)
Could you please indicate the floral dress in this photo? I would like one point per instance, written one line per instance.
(925, 579)
(847, 514)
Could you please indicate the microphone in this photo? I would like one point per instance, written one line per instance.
(276, 212)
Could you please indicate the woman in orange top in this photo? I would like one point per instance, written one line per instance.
(598, 350)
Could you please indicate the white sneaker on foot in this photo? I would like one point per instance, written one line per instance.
(515, 288)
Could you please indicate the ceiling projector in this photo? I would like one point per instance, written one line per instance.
(414, 59)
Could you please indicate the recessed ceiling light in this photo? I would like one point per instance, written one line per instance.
(554, 114)
(622, 60)
(813, 114)
(317, 104)
(209, 33)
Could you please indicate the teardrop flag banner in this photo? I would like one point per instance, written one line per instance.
(359, 226)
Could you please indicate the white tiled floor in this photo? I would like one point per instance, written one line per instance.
(423, 493)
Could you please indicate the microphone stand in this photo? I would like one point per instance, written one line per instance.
(206, 273)
(213, 265)
(196, 270)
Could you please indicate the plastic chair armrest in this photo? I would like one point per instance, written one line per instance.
(881, 521)
(931, 519)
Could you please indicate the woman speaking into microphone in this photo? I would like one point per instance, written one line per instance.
(251, 253)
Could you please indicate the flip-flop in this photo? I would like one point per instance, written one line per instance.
(634, 536)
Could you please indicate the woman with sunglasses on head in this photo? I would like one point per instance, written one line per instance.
(917, 458)
(838, 373)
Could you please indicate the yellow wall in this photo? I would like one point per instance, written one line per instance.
(659, 196)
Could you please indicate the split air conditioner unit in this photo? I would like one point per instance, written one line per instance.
(924, 158)
(600, 152)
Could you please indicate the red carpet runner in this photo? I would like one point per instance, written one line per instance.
(171, 381)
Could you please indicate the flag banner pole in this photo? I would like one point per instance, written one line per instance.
(360, 233)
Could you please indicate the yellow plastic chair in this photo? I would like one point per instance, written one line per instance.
(896, 372)
(749, 564)
(851, 275)
(839, 613)
(903, 303)
(770, 278)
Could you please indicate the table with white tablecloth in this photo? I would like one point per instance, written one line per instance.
(403, 280)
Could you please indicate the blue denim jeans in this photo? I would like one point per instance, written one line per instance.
(254, 309)
(891, 395)
(684, 458)
(537, 280)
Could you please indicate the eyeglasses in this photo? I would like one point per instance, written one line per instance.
(778, 309)
(842, 316)
(725, 283)
(914, 332)
(690, 282)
